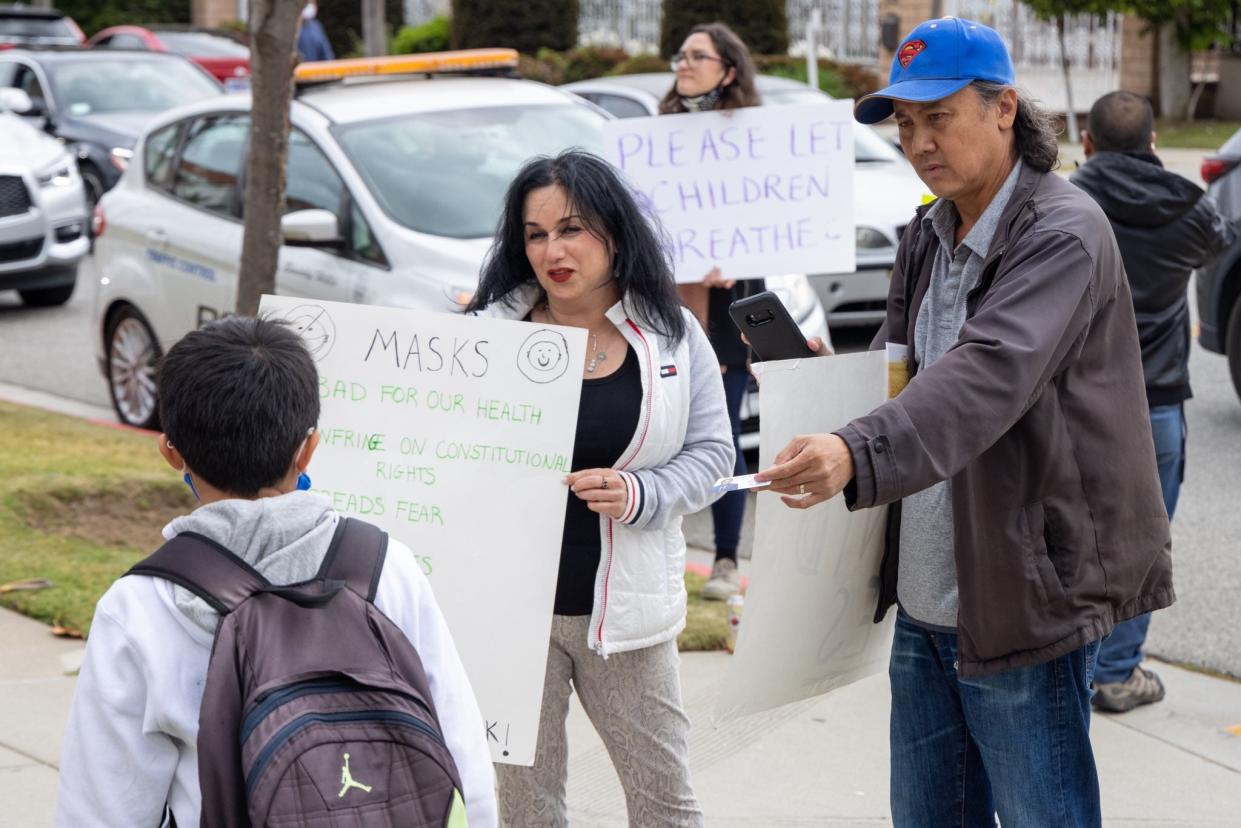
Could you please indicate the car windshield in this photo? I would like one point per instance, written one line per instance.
(202, 44)
(445, 173)
(37, 28)
(127, 84)
(868, 145)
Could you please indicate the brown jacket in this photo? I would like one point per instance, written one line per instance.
(1038, 415)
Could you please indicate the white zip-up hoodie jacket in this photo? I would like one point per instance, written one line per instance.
(683, 444)
(131, 741)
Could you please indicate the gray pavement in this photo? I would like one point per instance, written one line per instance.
(822, 762)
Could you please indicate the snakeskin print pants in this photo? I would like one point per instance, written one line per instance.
(634, 701)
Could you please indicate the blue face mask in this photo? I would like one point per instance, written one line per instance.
(189, 481)
(303, 483)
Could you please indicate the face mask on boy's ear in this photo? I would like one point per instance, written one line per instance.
(303, 479)
(189, 481)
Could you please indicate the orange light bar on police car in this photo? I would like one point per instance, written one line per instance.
(464, 60)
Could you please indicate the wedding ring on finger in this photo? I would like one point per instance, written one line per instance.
(605, 482)
(801, 489)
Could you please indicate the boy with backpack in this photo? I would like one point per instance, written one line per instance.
(308, 645)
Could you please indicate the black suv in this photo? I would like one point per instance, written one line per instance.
(24, 26)
(1219, 283)
(98, 101)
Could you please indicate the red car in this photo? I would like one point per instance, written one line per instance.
(227, 60)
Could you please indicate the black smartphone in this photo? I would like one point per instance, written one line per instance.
(766, 323)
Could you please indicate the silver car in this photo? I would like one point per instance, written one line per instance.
(42, 210)
(886, 189)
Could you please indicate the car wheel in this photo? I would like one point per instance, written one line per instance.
(1232, 345)
(47, 297)
(133, 355)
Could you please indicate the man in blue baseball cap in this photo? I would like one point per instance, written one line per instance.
(1026, 516)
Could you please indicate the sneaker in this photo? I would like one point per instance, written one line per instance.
(1142, 687)
(725, 581)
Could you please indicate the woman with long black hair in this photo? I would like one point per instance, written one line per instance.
(574, 248)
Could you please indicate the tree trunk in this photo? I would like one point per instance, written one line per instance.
(374, 38)
(1070, 112)
(1173, 74)
(1194, 96)
(273, 54)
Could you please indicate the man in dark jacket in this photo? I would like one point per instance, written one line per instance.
(1026, 517)
(1165, 228)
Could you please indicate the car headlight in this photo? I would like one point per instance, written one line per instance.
(59, 174)
(120, 157)
(461, 295)
(795, 292)
(868, 238)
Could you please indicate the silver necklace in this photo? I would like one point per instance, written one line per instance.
(597, 356)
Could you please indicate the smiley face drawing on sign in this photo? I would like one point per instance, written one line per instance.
(315, 327)
(544, 356)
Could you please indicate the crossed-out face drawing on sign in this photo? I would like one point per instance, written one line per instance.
(543, 357)
(315, 327)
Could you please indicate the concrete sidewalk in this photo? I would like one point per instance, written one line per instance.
(817, 763)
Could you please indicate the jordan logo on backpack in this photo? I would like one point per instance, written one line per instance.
(346, 780)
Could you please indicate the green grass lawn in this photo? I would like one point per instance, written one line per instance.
(1204, 135)
(81, 502)
(1197, 135)
(70, 495)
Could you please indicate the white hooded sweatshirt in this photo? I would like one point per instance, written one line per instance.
(131, 741)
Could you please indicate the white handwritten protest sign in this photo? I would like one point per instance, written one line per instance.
(454, 434)
(759, 191)
(807, 627)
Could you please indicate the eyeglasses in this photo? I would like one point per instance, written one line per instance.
(693, 59)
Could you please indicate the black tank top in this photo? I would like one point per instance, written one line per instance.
(606, 421)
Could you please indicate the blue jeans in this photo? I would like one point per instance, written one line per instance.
(1122, 650)
(1016, 744)
(728, 512)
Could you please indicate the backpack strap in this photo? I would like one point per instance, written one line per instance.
(356, 556)
(205, 568)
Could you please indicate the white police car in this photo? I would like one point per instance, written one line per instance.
(394, 189)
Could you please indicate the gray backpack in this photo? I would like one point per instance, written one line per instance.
(317, 710)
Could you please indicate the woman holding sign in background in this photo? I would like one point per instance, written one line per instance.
(573, 248)
(714, 72)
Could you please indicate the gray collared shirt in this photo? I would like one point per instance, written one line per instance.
(926, 584)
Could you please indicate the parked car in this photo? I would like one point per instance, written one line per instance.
(885, 190)
(218, 52)
(1219, 283)
(98, 102)
(394, 190)
(42, 211)
(24, 26)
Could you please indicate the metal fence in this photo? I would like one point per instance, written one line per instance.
(631, 24)
(849, 32)
(1092, 43)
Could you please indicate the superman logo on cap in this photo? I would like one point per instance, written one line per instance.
(909, 51)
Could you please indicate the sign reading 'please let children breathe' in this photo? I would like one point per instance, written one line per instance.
(759, 191)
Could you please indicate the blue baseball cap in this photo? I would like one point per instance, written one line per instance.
(937, 59)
